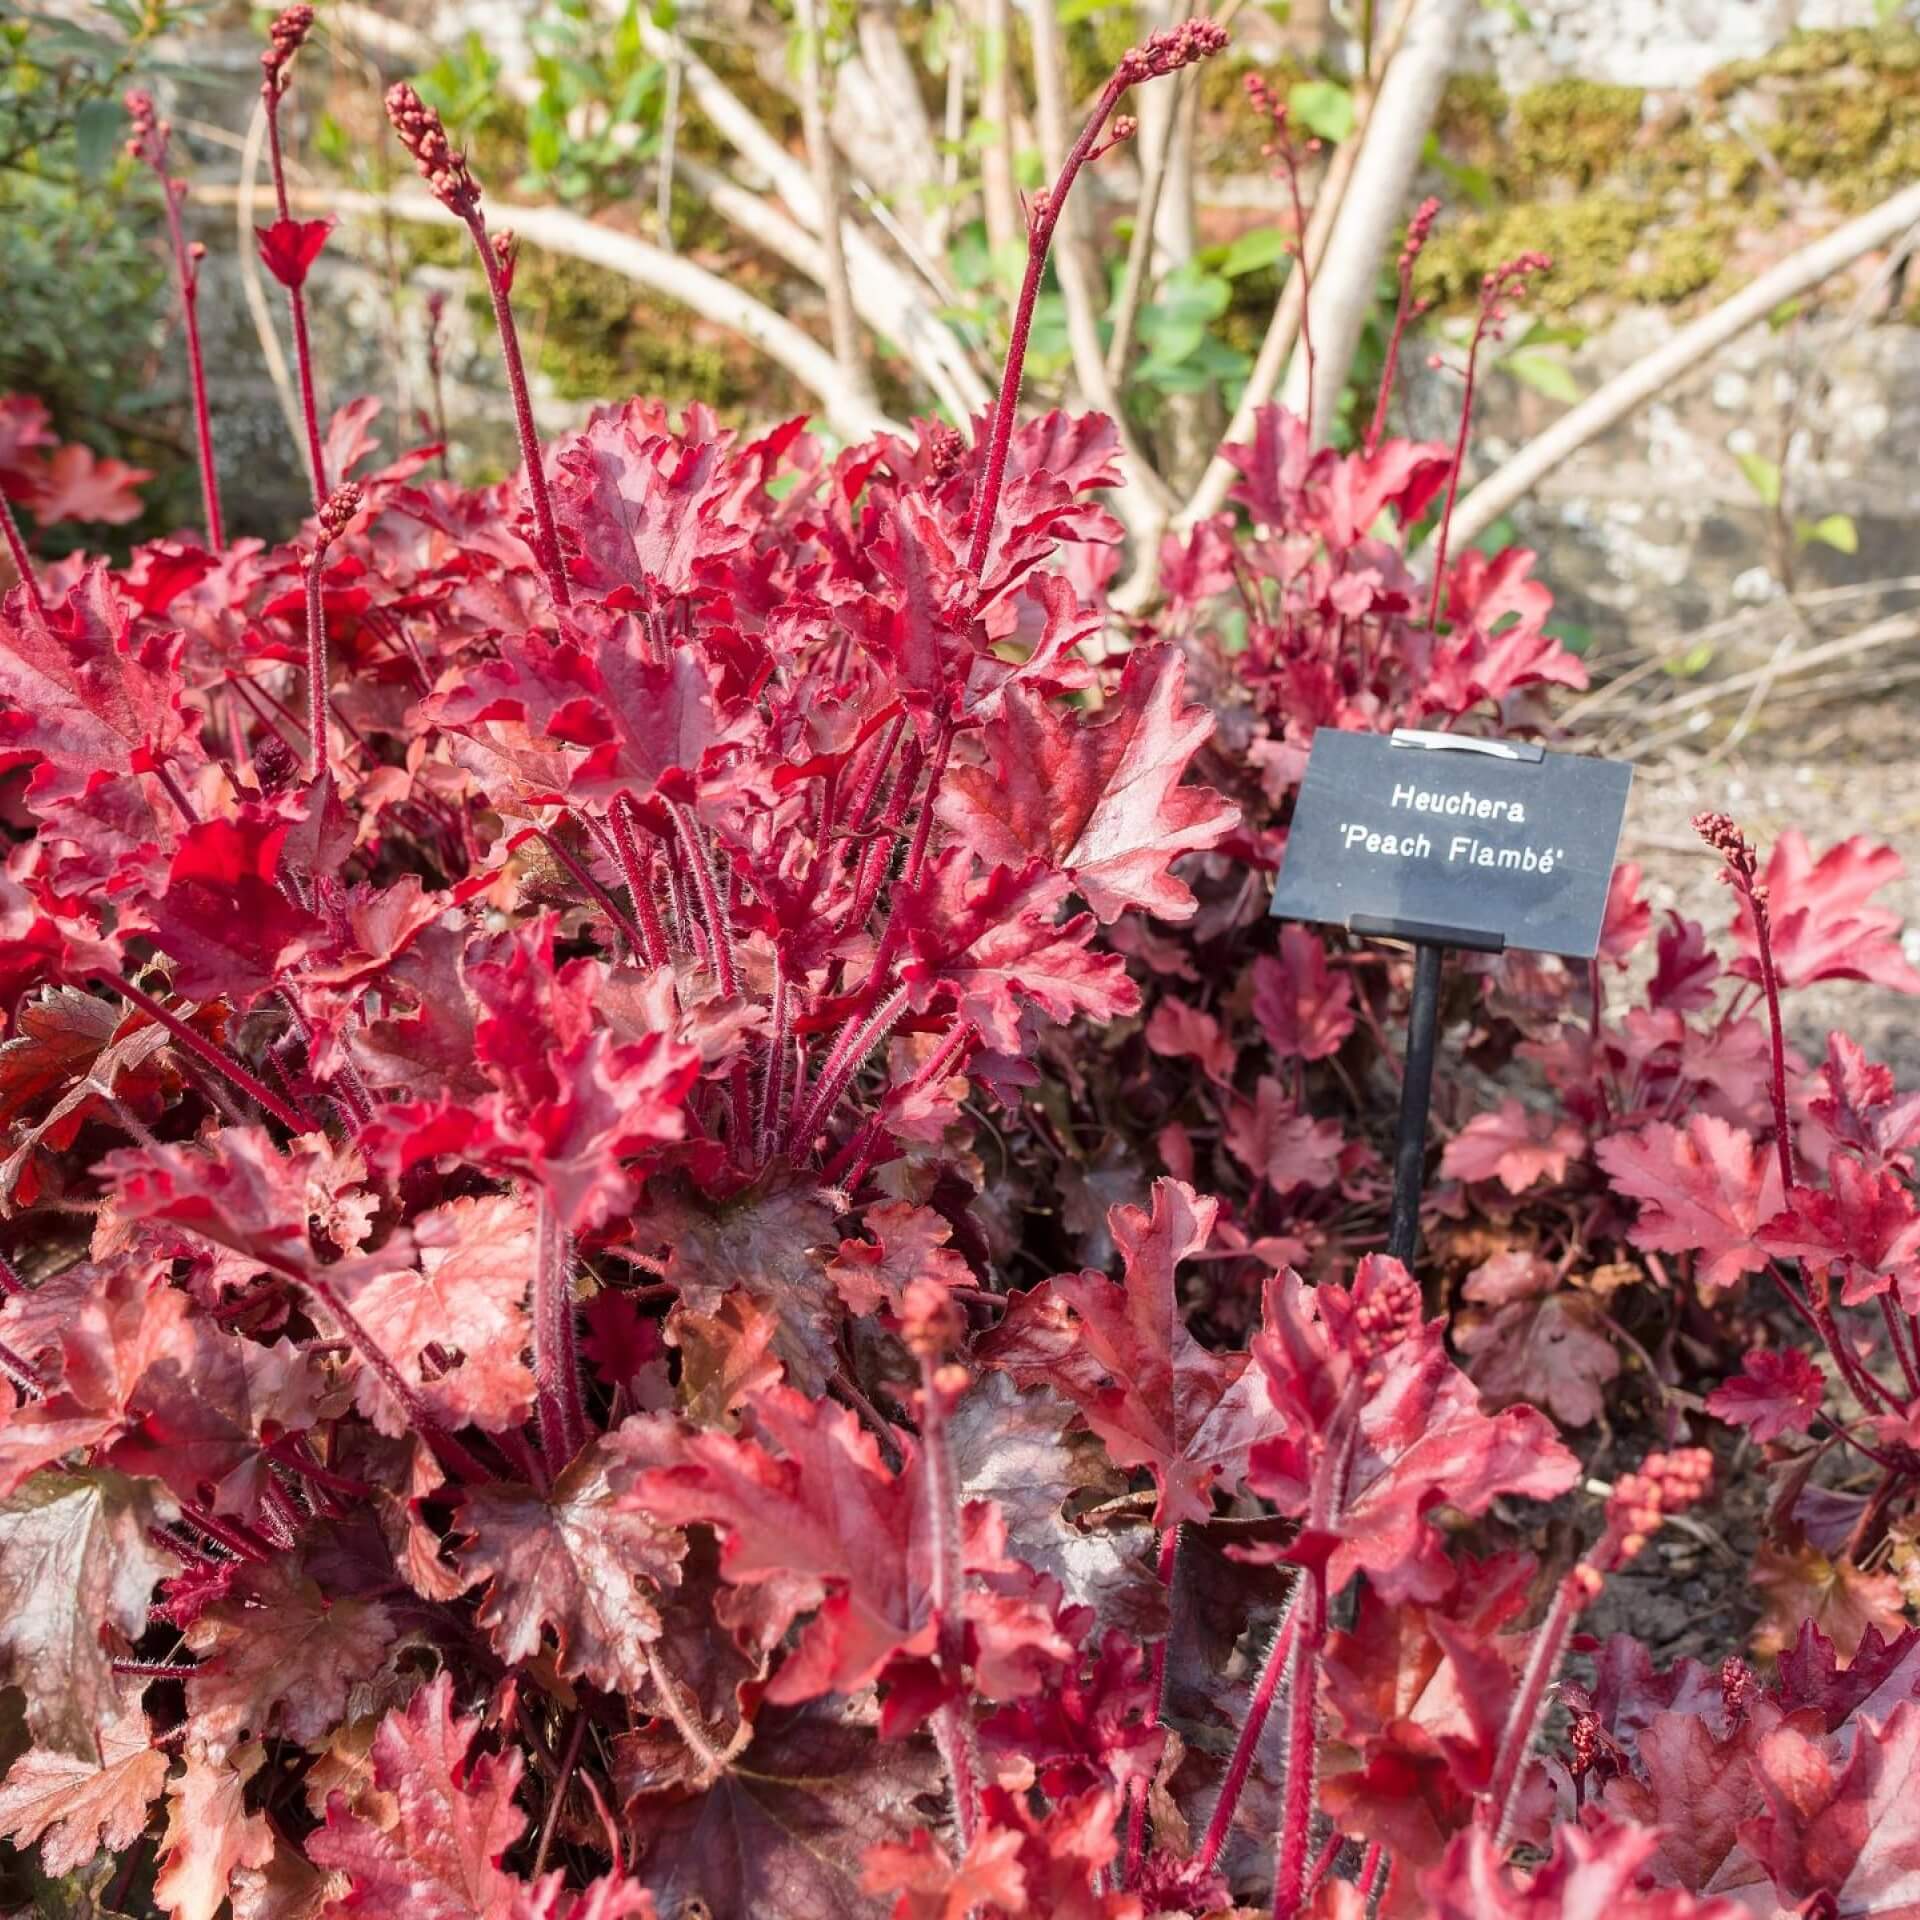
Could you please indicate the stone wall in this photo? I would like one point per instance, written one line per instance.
(1644, 43)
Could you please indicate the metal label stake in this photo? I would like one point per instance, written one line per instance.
(1444, 841)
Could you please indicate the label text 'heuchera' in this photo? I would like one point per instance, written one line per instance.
(1462, 849)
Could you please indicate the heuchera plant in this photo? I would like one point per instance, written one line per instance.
(541, 1022)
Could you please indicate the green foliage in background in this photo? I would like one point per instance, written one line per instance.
(83, 290)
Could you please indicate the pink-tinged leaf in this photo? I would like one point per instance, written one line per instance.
(573, 1106)
(247, 1686)
(781, 1830)
(1595, 1873)
(1803, 1586)
(211, 1836)
(1304, 1007)
(288, 248)
(25, 429)
(1176, 1031)
(570, 1563)
(1335, 1359)
(769, 1244)
(453, 1819)
(1866, 1226)
(223, 920)
(349, 438)
(993, 947)
(1100, 800)
(1686, 968)
(1280, 1145)
(1860, 1108)
(1824, 925)
(932, 1885)
(456, 1324)
(76, 484)
(83, 694)
(75, 1557)
(811, 1518)
(640, 506)
(1551, 1352)
(1515, 1146)
(1777, 1390)
(73, 1805)
(1628, 918)
(238, 1189)
(203, 1409)
(1841, 1830)
(907, 1243)
(1707, 1190)
(1123, 1355)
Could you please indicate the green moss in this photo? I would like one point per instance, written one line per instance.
(598, 339)
(1590, 240)
(1471, 118)
(1684, 260)
(1648, 209)
(1576, 131)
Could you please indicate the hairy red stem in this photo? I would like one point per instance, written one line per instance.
(1247, 1745)
(296, 306)
(198, 1044)
(855, 1043)
(317, 664)
(621, 919)
(21, 1372)
(172, 192)
(556, 1353)
(653, 936)
(1530, 1705)
(1168, 1568)
(953, 1725)
(1040, 228)
(719, 932)
(546, 535)
(22, 560)
(1453, 480)
(1299, 1793)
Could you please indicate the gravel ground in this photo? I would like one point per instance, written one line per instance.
(1864, 778)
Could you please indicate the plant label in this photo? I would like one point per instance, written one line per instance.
(1466, 843)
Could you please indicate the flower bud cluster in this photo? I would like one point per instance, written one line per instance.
(148, 141)
(1504, 285)
(1419, 231)
(1666, 1483)
(287, 36)
(341, 505)
(1171, 49)
(424, 136)
(1388, 1311)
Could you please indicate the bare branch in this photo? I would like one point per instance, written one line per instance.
(1144, 501)
(852, 415)
(1157, 135)
(1284, 328)
(1687, 350)
(1005, 230)
(887, 298)
(1375, 200)
(841, 326)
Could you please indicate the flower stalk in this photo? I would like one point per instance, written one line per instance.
(287, 35)
(1667, 1483)
(149, 144)
(451, 182)
(336, 512)
(556, 1352)
(1162, 53)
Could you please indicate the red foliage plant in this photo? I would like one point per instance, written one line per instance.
(539, 1018)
